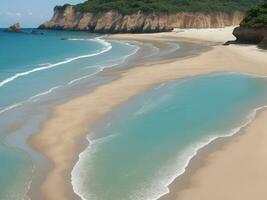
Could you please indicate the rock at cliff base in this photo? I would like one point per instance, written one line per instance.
(14, 28)
(35, 32)
(249, 35)
(263, 43)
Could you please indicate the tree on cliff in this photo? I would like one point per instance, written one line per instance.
(256, 17)
(131, 6)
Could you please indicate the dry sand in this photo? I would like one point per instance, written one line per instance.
(60, 136)
(220, 35)
(237, 170)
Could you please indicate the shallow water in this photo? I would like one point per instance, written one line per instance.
(38, 72)
(137, 150)
(15, 173)
(32, 67)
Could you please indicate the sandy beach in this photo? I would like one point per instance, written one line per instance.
(61, 135)
(235, 170)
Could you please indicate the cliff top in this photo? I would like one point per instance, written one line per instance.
(131, 6)
(256, 17)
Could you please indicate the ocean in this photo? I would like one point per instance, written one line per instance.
(33, 65)
(38, 71)
(138, 149)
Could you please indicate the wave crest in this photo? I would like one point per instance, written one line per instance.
(107, 47)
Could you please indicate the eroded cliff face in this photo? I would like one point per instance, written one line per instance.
(140, 22)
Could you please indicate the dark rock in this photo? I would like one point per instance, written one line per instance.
(34, 32)
(14, 28)
(230, 42)
(249, 35)
(263, 43)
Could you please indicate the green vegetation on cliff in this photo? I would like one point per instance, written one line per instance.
(169, 6)
(256, 17)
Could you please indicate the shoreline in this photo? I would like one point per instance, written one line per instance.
(204, 158)
(112, 73)
(199, 159)
(202, 64)
(117, 73)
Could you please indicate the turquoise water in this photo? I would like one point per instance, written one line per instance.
(15, 173)
(137, 150)
(33, 67)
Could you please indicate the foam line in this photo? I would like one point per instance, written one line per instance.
(107, 48)
(31, 99)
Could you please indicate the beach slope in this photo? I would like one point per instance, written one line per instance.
(237, 170)
(68, 124)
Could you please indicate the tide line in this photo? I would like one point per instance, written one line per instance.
(31, 99)
(190, 154)
(107, 48)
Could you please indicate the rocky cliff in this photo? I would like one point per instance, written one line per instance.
(250, 35)
(139, 22)
(14, 28)
(253, 28)
(247, 35)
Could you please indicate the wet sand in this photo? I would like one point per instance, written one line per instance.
(228, 168)
(61, 135)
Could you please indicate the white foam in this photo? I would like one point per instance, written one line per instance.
(31, 99)
(10, 107)
(107, 47)
(78, 171)
(36, 97)
(160, 186)
(189, 154)
(28, 186)
(85, 77)
(101, 68)
(97, 39)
